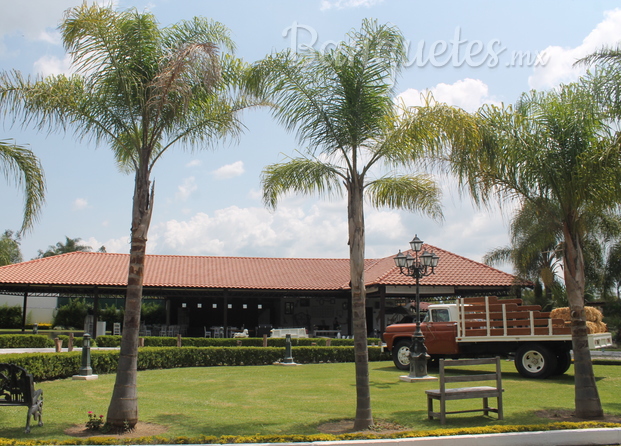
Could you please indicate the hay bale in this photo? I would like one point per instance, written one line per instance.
(592, 327)
(601, 327)
(593, 314)
(561, 313)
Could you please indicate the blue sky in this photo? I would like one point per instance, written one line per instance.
(209, 202)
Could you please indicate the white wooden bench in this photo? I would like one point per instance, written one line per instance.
(294, 332)
(444, 394)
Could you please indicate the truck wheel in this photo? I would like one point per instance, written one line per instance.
(401, 354)
(563, 362)
(535, 361)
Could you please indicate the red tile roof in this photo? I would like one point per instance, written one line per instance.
(452, 270)
(107, 269)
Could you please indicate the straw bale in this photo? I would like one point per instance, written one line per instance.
(601, 327)
(592, 327)
(593, 314)
(560, 313)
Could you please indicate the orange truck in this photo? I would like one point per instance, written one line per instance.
(489, 326)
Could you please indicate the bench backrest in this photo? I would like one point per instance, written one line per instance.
(476, 375)
(16, 385)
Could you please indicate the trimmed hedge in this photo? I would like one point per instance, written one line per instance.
(355, 436)
(162, 341)
(25, 341)
(52, 366)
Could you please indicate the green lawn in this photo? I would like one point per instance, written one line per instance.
(290, 400)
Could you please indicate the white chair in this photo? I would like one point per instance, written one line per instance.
(207, 332)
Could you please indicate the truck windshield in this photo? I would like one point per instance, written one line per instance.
(440, 315)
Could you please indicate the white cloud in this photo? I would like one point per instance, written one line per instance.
(185, 190)
(292, 231)
(119, 245)
(80, 203)
(468, 94)
(50, 65)
(560, 61)
(229, 171)
(194, 163)
(345, 4)
(33, 18)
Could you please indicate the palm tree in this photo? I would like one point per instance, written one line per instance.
(70, 245)
(340, 103)
(535, 252)
(556, 151)
(23, 166)
(142, 90)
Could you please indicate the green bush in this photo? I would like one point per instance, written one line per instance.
(51, 366)
(162, 341)
(153, 313)
(110, 314)
(25, 341)
(72, 315)
(10, 317)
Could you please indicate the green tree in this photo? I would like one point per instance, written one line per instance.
(340, 102)
(535, 253)
(142, 90)
(70, 245)
(10, 251)
(22, 166)
(556, 151)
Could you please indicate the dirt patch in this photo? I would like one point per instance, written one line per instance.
(347, 426)
(569, 415)
(140, 430)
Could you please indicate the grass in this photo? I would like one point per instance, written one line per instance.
(290, 400)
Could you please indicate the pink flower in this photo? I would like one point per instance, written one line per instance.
(90, 412)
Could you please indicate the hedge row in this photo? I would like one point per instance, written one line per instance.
(25, 341)
(51, 366)
(162, 341)
(313, 438)
(43, 341)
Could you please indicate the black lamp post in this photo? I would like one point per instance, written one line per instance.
(417, 267)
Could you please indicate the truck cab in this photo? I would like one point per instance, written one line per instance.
(439, 328)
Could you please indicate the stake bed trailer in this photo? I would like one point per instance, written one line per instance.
(488, 326)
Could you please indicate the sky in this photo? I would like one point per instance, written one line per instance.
(208, 202)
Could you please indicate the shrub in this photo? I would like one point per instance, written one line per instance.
(153, 313)
(110, 314)
(162, 341)
(51, 366)
(72, 315)
(10, 317)
(25, 341)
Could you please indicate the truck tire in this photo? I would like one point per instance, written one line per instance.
(535, 361)
(563, 362)
(401, 354)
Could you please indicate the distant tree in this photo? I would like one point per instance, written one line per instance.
(22, 166)
(535, 252)
(70, 245)
(9, 248)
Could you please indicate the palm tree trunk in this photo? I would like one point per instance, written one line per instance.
(364, 417)
(587, 402)
(123, 408)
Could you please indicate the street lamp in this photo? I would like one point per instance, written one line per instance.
(417, 267)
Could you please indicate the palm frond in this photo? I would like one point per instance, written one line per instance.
(300, 175)
(22, 167)
(417, 193)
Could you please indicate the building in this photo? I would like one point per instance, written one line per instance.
(256, 293)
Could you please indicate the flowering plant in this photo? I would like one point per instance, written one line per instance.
(94, 422)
